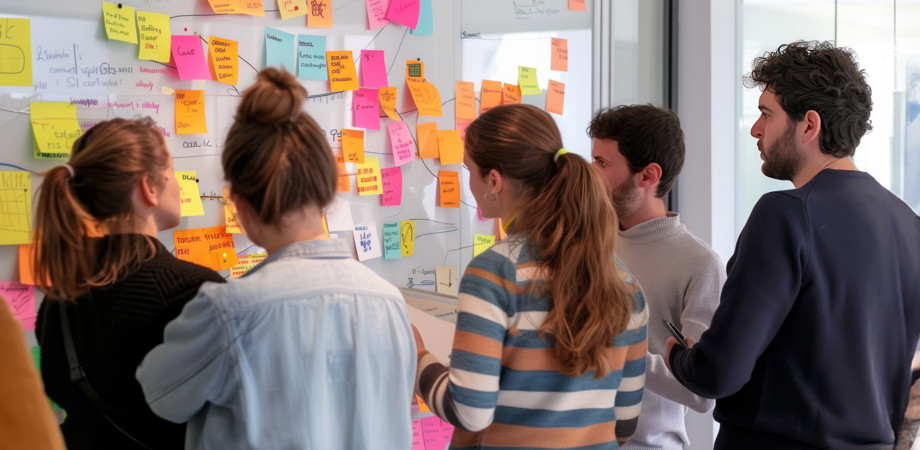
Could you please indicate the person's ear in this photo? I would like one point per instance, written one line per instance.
(649, 176)
(812, 127)
(148, 191)
(495, 181)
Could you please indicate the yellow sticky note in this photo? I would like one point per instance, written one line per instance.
(189, 196)
(225, 60)
(369, 179)
(190, 112)
(446, 280)
(465, 100)
(527, 79)
(292, 8)
(555, 97)
(426, 97)
(511, 93)
(119, 22)
(154, 40)
(559, 59)
(326, 228)
(387, 97)
(490, 95)
(320, 14)
(449, 189)
(15, 52)
(55, 128)
(427, 139)
(209, 247)
(15, 207)
(481, 242)
(407, 237)
(342, 74)
(450, 147)
(245, 263)
(353, 145)
(230, 222)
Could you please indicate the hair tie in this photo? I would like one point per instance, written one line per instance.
(69, 169)
(559, 153)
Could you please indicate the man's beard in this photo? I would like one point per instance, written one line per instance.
(623, 196)
(781, 161)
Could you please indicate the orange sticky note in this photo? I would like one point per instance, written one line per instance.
(209, 247)
(559, 59)
(353, 145)
(342, 73)
(370, 182)
(449, 189)
(26, 275)
(511, 93)
(251, 7)
(576, 5)
(426, 97)
(461, 125)
(465, 100)
(450, 147)
(490, 95)
(422, 407)
(555, 97)
(319, 14)
(344, 181)
(225, 61)
(387, 97)
(190, 112)
(427, 139)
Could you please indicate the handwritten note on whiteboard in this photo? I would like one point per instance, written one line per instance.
(21, 298)
(16, 42)
(15, 207)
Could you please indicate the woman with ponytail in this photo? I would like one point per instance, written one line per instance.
(98, 260)
(310, 349)
(550, 345)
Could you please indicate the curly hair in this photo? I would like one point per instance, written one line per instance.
(818, 76)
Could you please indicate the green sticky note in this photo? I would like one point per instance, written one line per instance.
(391, 244)
(527, 79)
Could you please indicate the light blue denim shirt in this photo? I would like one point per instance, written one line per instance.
(309, 350)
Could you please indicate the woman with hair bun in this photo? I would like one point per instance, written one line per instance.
(310, 349)
(118, 291)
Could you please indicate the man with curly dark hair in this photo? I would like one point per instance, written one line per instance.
(812, 342)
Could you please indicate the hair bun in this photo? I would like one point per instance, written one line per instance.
(275, 97)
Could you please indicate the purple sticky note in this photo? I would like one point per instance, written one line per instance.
(191, 61)
(21, 298)
(404, 12)
(373, 69)
(401, 142)
(392, 186)
(376, 13)
(366, 107)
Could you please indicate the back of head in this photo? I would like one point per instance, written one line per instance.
(645, 134)
(107, 163)
(568, 221)
(275, 156)
(821, 77)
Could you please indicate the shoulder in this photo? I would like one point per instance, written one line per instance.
(500, 259)
(175, 276)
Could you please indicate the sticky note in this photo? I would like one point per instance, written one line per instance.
(446, 281)
(224, 59)
(189, 196)
(231, 225)
(461, 125)
(224, 6)
(555, 97)
(499, 229)
(376, 13)
(490, 95)
(16, 59)
(246, 263)
(209, 247)
(527, 79)
(407, 237)
(387, 97)
(366, 241)
(311, 57)
(279, 49)
(368, 177)
(21, 298)
(425, 26)
(26, 275)
(418, 440)
(435, 432)
(449, 189)
(559, 58)
(338, 214)
(401, 143)
(576, 5)
(55, 128)
(249, 7)
(342, 76)
(119, 22)
(326, 228)
(15, 207)
(292, 8)
(366, 109)
(426, 97)
(481, 242)
(511, 93)
(427, 139)
(343, 183)
(190, 117)
(353, 145)
(391, 241)
(392, 186)
(464, 100)
(154, 40)
(404, 12)
(450, 147)
(373, 69)
(190, 58)
(320, 14)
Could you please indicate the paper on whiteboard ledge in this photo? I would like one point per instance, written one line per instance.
(438, 334)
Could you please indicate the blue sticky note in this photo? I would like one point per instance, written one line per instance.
(311, 57)
(279, 49)
(425, 24)
(391, 242)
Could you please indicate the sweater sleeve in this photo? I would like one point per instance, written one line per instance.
(628, 402)
(764, 276)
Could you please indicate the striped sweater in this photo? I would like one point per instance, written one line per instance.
(504, 389)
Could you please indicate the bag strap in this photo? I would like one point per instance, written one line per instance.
(78, 376)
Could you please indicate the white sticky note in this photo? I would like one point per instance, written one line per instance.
(367, 242)
(445, 280)
(338, 214)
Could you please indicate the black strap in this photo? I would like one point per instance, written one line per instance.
(78, 376)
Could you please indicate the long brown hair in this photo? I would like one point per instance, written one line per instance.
(108, 161)
(570, 224)
(275, 156)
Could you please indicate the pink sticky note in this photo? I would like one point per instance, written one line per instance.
(191, 61)
(373, 69)
(392, 186)
(376, 13)
(366, 107)
(418, 442)
(435, 433)
(401, 142)
(404, 12)
(21, 298)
